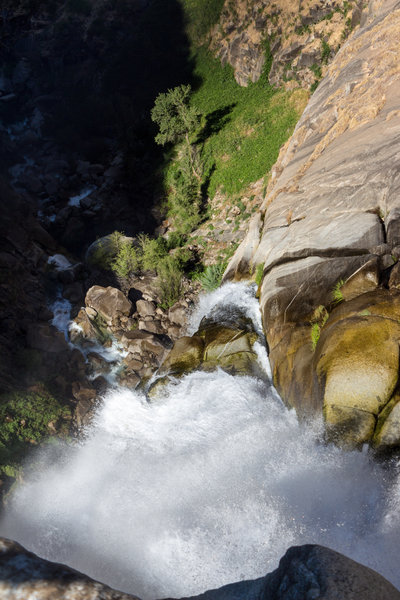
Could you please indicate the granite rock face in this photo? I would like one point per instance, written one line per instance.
(298, 40)
(310, 572)
(327, 235)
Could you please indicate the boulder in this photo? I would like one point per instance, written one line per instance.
(178, 314)
(310, 572)
(25, 575)
(185, 356)
(102, 252)
(145, 308)
(109, 302)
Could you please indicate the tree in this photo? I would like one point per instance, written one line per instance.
(177, 121)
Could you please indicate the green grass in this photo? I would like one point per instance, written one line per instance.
(337, 295)
(244, 127)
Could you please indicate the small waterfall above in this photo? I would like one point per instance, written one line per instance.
(208, 485)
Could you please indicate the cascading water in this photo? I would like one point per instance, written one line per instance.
(209, 485)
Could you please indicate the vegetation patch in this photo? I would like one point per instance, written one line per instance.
(318, 320)
(211, 277)
(26, 420)
(232, 160)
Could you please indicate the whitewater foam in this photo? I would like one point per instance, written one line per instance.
(207, 486)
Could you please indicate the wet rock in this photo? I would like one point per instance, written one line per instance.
(157, 388)
(185, 356)
(321, 224)
(83, 391)
(83, 327)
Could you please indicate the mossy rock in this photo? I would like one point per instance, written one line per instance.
(348, 427)
(221, 341)
(185, 356)
(102, 252)
(387, 432)
(291, 360)
(358, 364)
(28, 419)
(157, 388)
(234, 319)
(238, 363)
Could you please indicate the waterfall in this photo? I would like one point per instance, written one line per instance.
(208, 485)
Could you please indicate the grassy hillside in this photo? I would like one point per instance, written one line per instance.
(244, 127)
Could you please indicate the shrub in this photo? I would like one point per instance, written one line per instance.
(318, 320)
(127, 260)
(152, 251)
(211, 277)
(169, 281)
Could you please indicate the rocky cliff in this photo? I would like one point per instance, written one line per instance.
(293, 40)
(327, 237)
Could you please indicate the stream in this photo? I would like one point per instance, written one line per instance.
(206, 486)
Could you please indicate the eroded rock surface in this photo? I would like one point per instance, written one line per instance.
(327, 237)
(301, 39)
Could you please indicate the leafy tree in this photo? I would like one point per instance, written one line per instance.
(177, 121)
(174, 116)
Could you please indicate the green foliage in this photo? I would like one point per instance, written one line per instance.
(24, 421)
(318, 320)
(169, 281)
(316, 69)
(152, 251)
(103, 333)
(201, 15)
(315, 335)
(184, 191)
(127, 260)
(259, 273)
(245, 126)
(211, 277)
(174, 115)
(337, 295)
(326, 52)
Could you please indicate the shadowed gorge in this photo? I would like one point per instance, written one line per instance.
(199, 291)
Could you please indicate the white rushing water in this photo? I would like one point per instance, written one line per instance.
(207, 486)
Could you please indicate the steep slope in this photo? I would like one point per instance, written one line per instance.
(327, 235)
